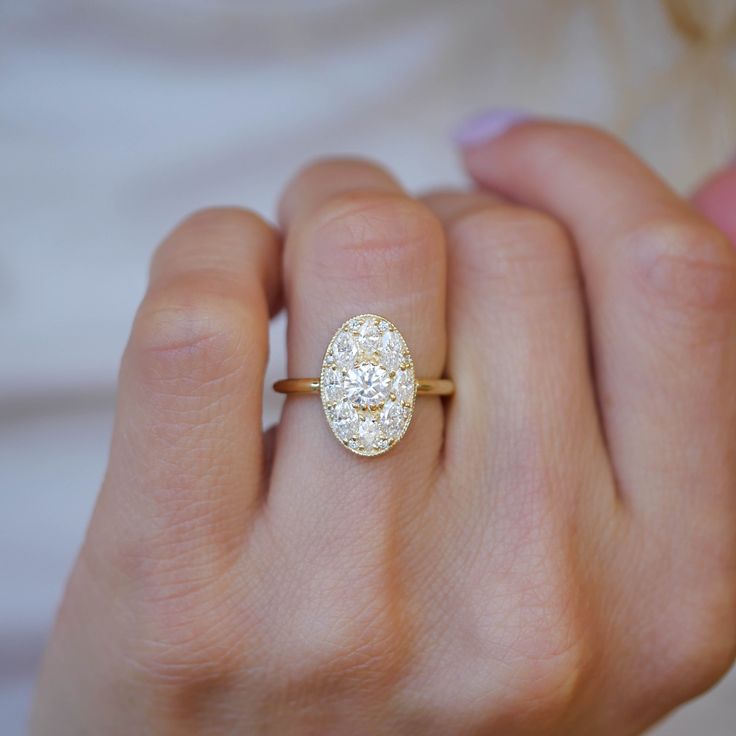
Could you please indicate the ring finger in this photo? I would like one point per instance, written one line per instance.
(355, 244)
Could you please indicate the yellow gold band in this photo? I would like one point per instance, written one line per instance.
(425, 386)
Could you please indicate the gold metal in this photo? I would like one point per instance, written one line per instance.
(297, 386)
(307, 386)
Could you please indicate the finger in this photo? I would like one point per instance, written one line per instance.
(517, 349)
(185, 470)
(716, 200)
(661, 286)
(355, 243)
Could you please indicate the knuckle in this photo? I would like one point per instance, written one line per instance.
(193, 334)
(364, 644)
(555, 141)
(544, 659)
(552, 641)
(221, 226)
(347, 625)
(186, 641)
(585, 134)
(361, 171)
(553, 652)
(175, 643)
(370, 229)
(553, 649)
(546, 689)
(689, 266)
(519, 250)
(509, 228)
(698, 644)
(228, 223)
(544, 650)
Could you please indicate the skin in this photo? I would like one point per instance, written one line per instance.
(551, 551)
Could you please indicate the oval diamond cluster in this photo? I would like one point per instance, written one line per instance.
(367, 384)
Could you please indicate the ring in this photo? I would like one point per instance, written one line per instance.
(367, 385)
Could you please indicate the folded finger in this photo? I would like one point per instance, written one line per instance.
(186, 465)
(661, 288)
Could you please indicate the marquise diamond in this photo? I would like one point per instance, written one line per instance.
(369, 431)
(391, 350)
(369, 337)
(333, 387)
(404, 386)
(345, 420)
(344, 349)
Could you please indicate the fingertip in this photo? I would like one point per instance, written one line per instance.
(485, 126)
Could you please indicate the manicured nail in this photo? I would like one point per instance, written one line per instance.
(487, 125)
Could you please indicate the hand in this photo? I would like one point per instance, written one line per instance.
(551, 551)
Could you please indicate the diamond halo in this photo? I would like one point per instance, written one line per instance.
(367, 385)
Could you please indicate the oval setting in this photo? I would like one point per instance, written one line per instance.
(367, 384)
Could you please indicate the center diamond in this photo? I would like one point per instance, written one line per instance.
(368, 385)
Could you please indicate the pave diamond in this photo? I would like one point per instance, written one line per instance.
(367, 385)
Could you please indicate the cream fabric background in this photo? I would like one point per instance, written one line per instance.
(116, 119)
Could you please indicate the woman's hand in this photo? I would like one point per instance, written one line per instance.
(551, 551)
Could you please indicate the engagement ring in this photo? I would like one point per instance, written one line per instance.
(367, 385)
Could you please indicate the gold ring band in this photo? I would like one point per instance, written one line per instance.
(306, 386)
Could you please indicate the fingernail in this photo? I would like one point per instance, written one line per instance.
(487, 125)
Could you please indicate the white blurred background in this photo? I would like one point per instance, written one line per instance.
(118, 118)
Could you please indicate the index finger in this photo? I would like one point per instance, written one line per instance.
(661, 288)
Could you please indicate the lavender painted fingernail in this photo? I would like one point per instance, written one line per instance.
(487, 125)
